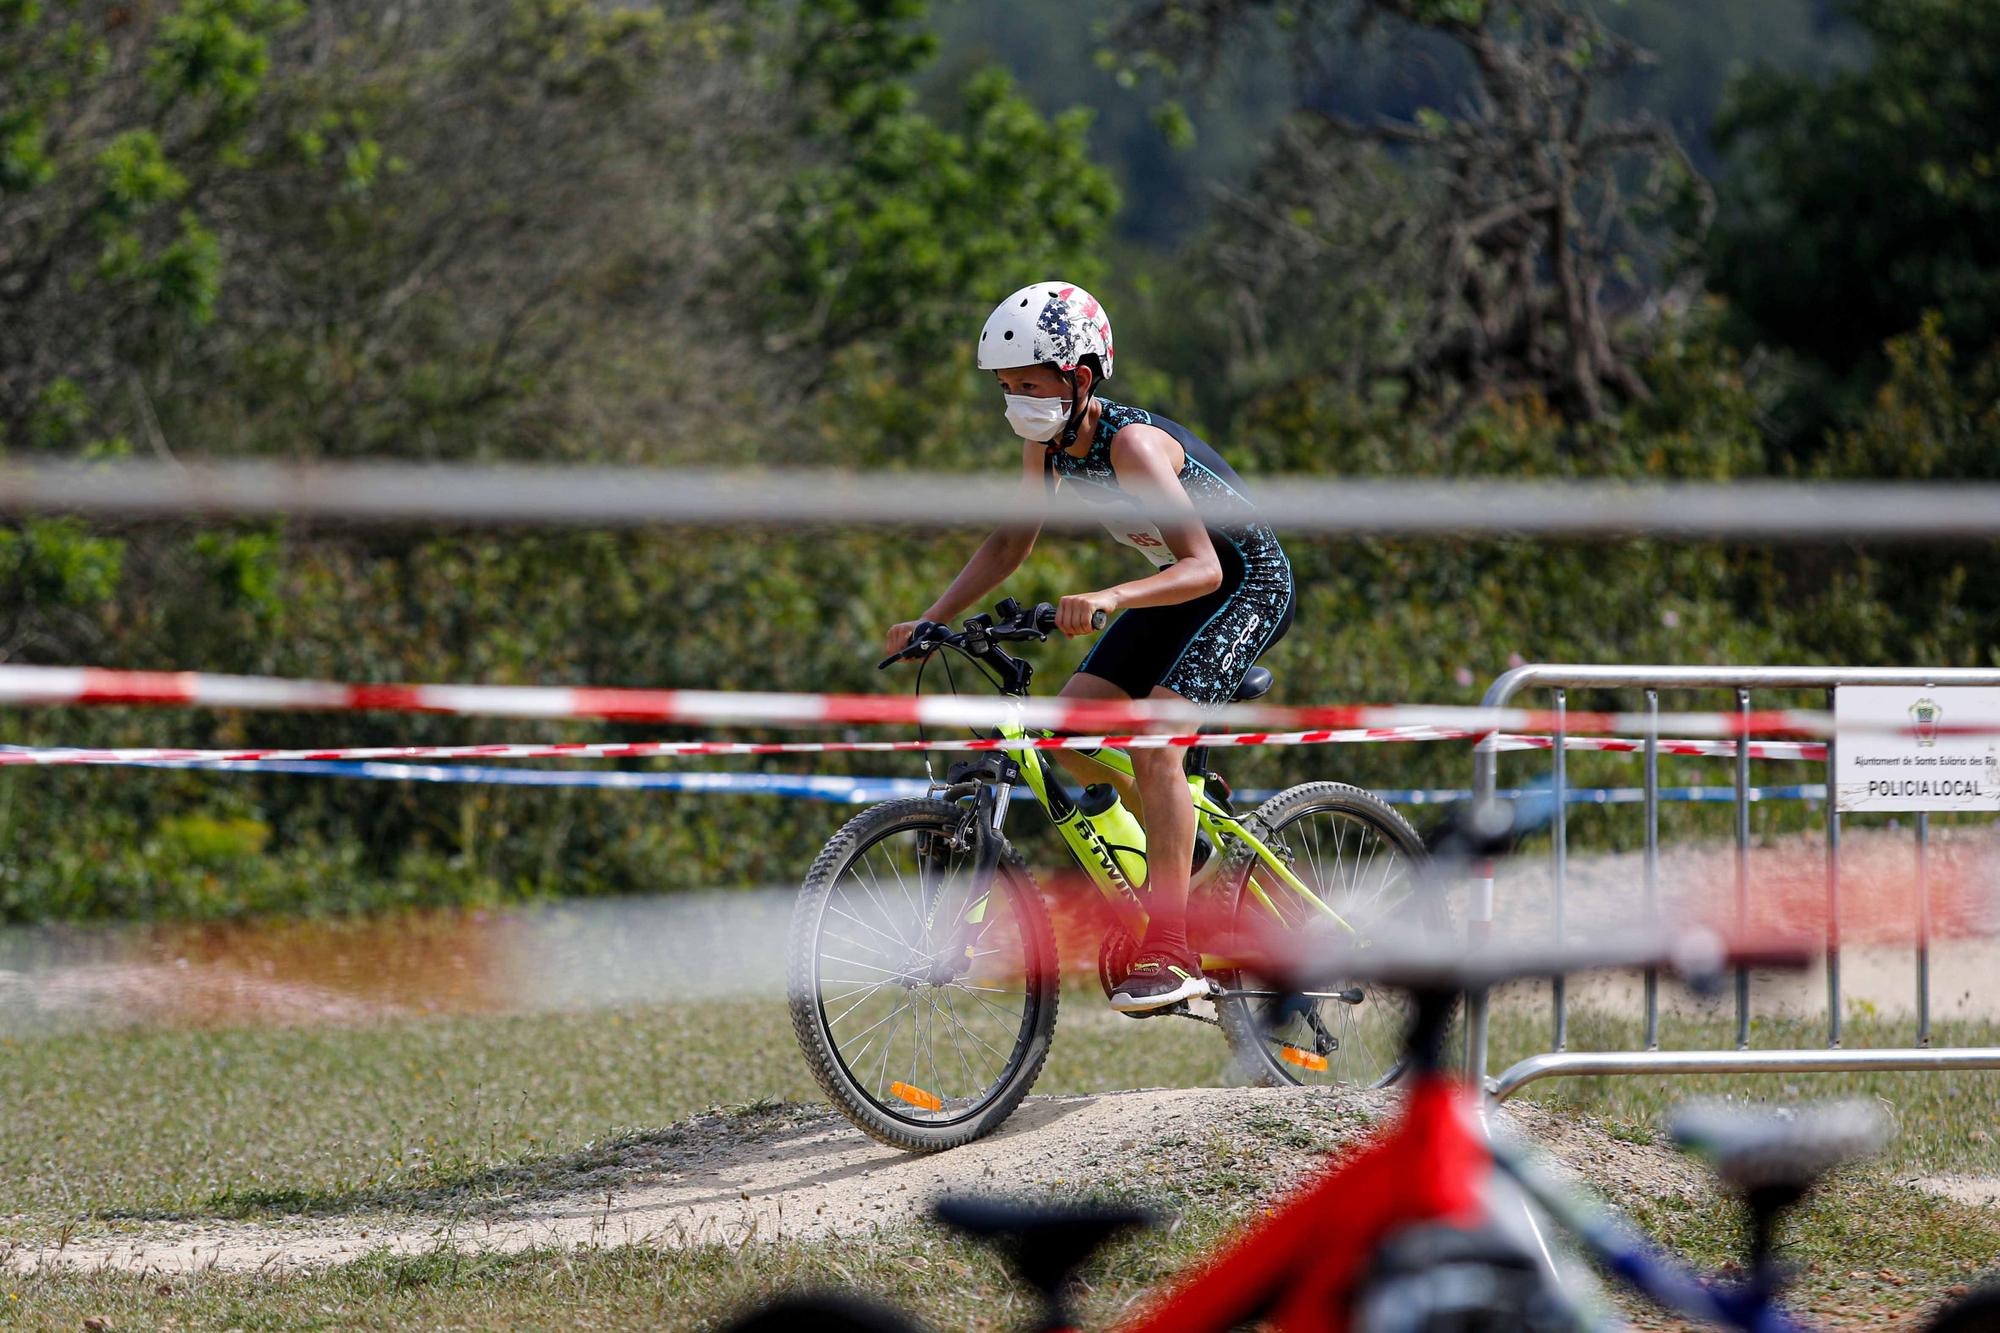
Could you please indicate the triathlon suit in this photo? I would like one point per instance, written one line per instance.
(1202, 649)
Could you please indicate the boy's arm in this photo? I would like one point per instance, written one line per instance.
(996, 559)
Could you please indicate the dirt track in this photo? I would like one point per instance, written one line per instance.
(800, 1172)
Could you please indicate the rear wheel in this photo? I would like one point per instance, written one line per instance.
(923, 993)
(1363, 860)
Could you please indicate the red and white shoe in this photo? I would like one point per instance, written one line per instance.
(1157, 981)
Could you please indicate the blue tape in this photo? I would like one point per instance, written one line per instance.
(867, 790)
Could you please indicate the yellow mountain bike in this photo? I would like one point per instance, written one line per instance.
(922, 962)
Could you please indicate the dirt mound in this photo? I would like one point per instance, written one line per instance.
(802, 1173)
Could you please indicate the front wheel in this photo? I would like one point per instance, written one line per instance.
(923, 990)
(1363, 860)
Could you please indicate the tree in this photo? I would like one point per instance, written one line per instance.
(1528, 217)
(1868, 198)
(120, 125)
(916, 221)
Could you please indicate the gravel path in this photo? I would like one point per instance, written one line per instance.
(802, 1173)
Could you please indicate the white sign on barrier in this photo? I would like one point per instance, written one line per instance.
(1917, 747)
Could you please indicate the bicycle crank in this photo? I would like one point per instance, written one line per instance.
(1352, 995)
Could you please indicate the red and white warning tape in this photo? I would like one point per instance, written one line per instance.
(1813, 750)
(671, 749)
(94, 686)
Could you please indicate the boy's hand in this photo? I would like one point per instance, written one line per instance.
(1074, 613)
(901, 634)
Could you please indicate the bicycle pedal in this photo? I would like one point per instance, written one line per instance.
(1179, 1009)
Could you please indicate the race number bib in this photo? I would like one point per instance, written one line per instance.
(1145, 539)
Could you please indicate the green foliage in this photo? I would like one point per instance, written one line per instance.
(1170, 189)
(1932, 419)
(110, 119)
(219, 50)
(1873, 196)
(59, 562)
(575, 48)
(858, 54)
(207, 840)
(922, 212)
(136, 175)
(701, 231)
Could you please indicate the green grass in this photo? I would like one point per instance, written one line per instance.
(948, 1284)
(99, 1129)
(1871, 1253)
(244, 1121)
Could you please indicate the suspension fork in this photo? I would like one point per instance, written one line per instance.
(982, 828)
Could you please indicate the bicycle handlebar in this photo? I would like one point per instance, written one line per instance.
(1008, 622)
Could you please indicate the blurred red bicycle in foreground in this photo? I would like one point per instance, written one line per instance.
(1435, 1225)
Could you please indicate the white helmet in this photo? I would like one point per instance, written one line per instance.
(1046, 322)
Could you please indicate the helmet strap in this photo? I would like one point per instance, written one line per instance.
(1078, 407)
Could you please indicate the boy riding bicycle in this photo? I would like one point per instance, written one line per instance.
(1221, 592)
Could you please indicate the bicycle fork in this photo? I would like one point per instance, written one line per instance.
(982, 829)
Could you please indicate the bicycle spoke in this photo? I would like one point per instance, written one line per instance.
(889, 1046)
(981, 1040)
(845, 939)
(990, 1005)
(881, 903)
(942, 1000)
(843, 1015)
(865, 926)
(880, 1021)
(896, 973)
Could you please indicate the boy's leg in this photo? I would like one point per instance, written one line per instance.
(1086, 769)
(1167, 969)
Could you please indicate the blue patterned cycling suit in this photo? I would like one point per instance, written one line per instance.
(1199, 649)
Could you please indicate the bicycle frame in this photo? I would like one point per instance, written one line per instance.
(1298, 1267)
(1099, 861)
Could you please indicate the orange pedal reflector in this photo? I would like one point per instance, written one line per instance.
(930, 1101)
(1303, 1059)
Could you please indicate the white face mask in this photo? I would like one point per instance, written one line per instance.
(1038, 419)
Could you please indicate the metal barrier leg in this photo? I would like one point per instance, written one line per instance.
(1652, 860)
(1479, 929)
(1832, 891)
(1743, 864)
(1923, 930)
(1560, 867)
(1479, 913)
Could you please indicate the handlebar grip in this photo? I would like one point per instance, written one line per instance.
(1045, 619)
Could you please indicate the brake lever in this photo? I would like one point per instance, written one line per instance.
(921, 644)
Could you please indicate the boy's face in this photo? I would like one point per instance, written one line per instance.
(1043, 381)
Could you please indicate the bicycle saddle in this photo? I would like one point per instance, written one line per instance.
(1256, 684)
(1045, 1243)
(1782, 1149)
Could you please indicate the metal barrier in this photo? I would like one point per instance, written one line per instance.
(1653, 679)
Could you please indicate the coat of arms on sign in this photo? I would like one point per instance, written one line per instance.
(1924, 714)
